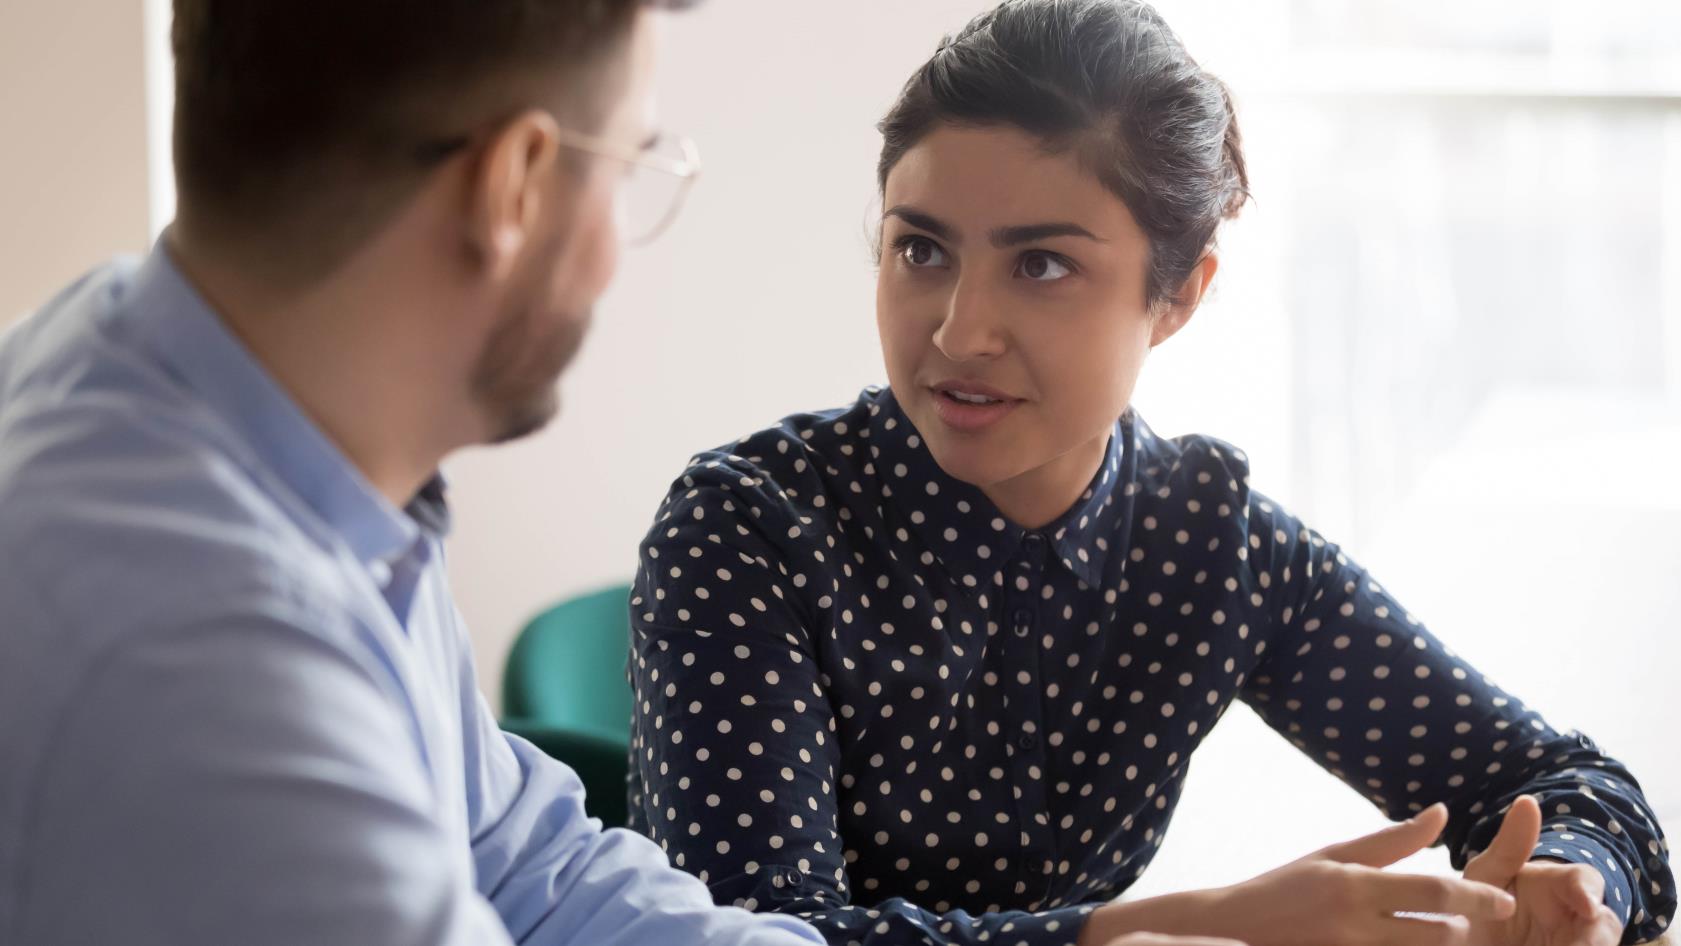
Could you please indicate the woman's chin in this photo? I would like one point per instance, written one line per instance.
(979, 464)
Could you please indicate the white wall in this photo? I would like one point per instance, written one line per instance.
(160, 112)
(72, 143)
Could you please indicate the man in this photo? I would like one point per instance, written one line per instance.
(237, 701)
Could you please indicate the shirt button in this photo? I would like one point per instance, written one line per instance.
(1035, 545)
(792, 877)
(1027, 741)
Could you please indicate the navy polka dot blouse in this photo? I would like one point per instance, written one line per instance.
(866, 698)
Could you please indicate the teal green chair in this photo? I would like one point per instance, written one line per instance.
(564, 689)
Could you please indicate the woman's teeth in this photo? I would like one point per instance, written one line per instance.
(971, 398)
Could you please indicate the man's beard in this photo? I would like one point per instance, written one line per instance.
(516, 379)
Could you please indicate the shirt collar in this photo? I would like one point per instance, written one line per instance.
(941, 508)
(179, 328)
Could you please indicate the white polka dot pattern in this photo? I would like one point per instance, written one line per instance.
(865, 698)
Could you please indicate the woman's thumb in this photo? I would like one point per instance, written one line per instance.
(1511, 848)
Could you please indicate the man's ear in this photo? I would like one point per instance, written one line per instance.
(1177, 312)
(515, 174)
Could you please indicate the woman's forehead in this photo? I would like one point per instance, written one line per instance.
(997, 176)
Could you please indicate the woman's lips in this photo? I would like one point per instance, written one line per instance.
(970, 406)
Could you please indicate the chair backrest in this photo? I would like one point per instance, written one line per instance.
(567, 668)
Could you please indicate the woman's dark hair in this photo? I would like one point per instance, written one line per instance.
(1109, 79)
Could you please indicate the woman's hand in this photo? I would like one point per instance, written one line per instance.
(1558, 904)
(1158, 939)
(1340, 896)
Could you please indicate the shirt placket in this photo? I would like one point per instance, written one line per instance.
(1024, 715)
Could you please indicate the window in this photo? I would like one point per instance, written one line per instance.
(1449, 335)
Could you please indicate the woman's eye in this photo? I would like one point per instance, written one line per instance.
(1043, 267)
(922, 252)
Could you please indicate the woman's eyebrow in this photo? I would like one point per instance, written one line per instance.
(1004, 237)
(924, 221)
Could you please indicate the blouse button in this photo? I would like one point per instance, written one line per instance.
(1024, 622)
(1027, 741)
(792, 877)
(1035, 546)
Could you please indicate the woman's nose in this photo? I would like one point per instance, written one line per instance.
(971, 327)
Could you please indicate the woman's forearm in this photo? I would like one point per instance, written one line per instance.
(1192, 913)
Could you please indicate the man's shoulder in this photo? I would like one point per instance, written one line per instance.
(129, 505)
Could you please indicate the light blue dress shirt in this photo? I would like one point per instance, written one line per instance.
(236, 700)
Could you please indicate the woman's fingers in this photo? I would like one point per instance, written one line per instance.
(1157, 939)
(1512, 847)
(1424, 931)
(1587, 892)
(1606, 929)
(1382, 848)
(1418, 893)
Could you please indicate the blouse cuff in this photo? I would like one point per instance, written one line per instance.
(787, 889)
(1573, 848)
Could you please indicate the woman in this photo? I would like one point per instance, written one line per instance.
(930, 668)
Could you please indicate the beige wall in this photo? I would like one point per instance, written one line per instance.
(72, 142)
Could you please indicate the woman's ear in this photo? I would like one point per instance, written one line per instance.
(1177, 312)
(508, 186)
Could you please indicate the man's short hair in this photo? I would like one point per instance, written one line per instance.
(299, 123)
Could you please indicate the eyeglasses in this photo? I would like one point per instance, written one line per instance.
(658, 176)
